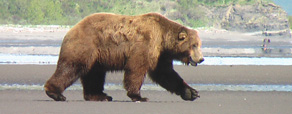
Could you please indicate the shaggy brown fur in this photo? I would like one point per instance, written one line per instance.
(136, 44)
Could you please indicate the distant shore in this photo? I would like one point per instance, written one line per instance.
(47, 40)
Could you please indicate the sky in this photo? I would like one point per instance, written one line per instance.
(285, 4)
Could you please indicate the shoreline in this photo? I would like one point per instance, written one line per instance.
(12, 59)
(155, 87)
(215, 42)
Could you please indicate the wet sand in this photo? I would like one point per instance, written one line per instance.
(211, 102)
(161, 102)
(202, 74)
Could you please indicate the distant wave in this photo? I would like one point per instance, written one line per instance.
(244, 61)
(52, 59)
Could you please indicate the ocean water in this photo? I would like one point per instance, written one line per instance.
(51, 59)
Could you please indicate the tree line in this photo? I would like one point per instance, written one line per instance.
(69, 12)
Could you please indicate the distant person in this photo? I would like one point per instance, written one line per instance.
(265, 46)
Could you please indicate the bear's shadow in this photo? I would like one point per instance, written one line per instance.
(114, 101)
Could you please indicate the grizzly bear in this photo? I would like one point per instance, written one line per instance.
(138, 45)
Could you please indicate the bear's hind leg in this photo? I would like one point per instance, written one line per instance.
(93, 84)
(64, 76)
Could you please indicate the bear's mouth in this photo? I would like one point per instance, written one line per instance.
(193, 63)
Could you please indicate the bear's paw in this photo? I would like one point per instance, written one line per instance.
(190, 94)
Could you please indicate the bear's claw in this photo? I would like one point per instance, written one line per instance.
(56, 97)
(137, 97)
(140, 99)
(190, 94)
(102, 97)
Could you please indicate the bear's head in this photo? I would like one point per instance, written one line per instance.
(188, 46)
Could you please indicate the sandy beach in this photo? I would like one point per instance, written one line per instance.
(218, 43)
(36, 102)
(219, 102)
(205, 74)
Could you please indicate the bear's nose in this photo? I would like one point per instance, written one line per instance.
(201, 60)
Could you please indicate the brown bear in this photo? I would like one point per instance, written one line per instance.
(137, 45)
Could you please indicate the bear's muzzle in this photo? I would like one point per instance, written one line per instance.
(193, 63)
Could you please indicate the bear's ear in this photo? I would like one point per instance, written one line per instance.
(182, 36)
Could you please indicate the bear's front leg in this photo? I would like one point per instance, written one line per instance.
(169, 79)
(133, 82)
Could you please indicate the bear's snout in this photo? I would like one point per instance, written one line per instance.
(195, 63)
(201, 60)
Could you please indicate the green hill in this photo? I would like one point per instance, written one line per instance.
(235, 15)
(69, 12)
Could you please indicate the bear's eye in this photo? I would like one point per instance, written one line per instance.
(194, 45)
